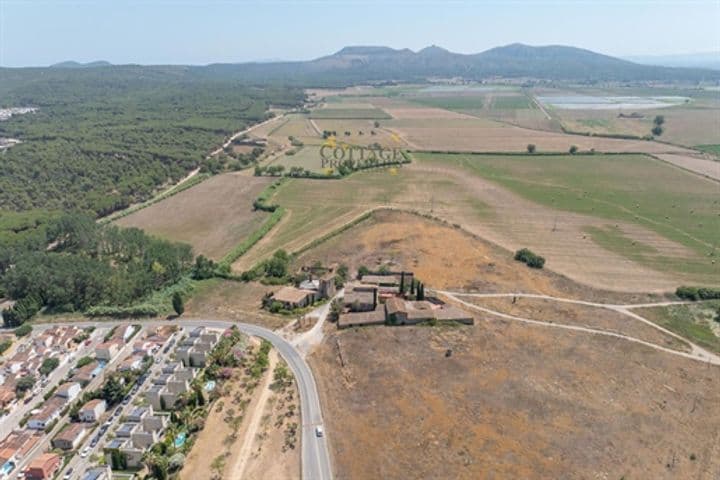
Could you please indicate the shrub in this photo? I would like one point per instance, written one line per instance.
(23, 330)
(698, 293)
(531, 148)
(48, 365)
(573, 149)
(529, 258)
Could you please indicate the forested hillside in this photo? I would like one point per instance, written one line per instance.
(107, 137)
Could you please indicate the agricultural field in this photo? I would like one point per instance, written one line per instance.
(307, 157)
(690, 122)
(637, 191)
(587, 230)
(371, 113)
(212, 216)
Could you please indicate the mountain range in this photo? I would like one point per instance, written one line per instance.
(377, 63)
(358, 64)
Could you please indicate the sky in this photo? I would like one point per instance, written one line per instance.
(43, 32)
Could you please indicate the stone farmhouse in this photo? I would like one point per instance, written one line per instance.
(380, 299)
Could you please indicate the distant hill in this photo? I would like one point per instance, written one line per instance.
(357, 64)
(74, 64)
(689, 60)
(517, 60)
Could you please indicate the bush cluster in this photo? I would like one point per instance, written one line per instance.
(698, 293)
(529, 258)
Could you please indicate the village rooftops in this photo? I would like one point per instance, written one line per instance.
(291, 295)
(352, 319)
(395, 305)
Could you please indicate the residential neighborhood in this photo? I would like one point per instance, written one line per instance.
(71, 422)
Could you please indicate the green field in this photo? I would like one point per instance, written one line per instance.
(456, 102)
(350, 113)
(713, 149)
(696, 322)
(308, 157)
(632, 188)
(511, 102)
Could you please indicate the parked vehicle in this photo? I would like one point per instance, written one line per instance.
(319, 431)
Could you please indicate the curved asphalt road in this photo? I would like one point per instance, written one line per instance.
(315, 460)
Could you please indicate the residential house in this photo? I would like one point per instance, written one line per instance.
(167, 389)
(359, 319)
(193, 351)
(7, 396)
(68, 390)
(92, 410)
(132, 363)
(98, 473)
(360, 298)
(86, 373)
(70, 437)
(291, 297)
(43, 467)
(17, 445)
(107, 350)
(47, 414)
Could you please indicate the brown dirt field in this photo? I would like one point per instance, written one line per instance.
(697, 164)
(580, 315)
(514, 401)
(212, 216)
(230, 300)
(419, 244)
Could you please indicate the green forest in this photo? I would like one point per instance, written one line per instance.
(103, 139)
(70, 263)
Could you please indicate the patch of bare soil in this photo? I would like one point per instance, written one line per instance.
(514, 401)
(581, 315)
(212, 216)
(229, 300)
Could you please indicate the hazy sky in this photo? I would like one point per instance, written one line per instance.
(42, 32)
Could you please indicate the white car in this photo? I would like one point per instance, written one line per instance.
(319, 431)
(85, 452)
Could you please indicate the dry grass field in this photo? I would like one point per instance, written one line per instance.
(212, 216)
(235, 301)
(514, 401)
(581, 315)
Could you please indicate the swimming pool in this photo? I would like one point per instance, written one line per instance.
(7, 468)
(180, 439)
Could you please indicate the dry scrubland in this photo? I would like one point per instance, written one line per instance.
(513, 400)
(212, 216)
(234, 444)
